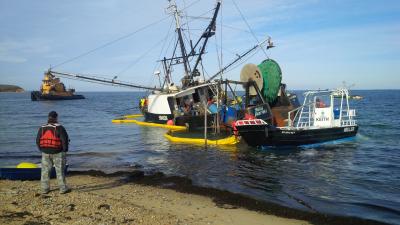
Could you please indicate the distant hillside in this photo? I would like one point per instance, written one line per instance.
(10, 88)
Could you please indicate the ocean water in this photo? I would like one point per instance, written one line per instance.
(357, 177)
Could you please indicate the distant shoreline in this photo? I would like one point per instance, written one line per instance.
(11, 88)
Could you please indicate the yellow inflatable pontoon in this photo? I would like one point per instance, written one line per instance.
(231, 140)
(129, 119)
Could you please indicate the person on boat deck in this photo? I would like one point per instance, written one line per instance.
(143, 104)
(52, 140)
(187, 108)
(319, 103)
(210, 100)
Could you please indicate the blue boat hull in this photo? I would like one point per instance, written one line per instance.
(24, 174)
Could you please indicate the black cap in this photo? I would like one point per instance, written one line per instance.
(53, 114)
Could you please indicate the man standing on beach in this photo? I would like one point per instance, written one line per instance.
(52, 140)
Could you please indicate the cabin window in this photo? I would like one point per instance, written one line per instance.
(210, 93)
(171, 104)
(294, 100)
(178, 101)
(322, 101)
(196, 96)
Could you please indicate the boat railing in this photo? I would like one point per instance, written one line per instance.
(348, 117)
(302, 116)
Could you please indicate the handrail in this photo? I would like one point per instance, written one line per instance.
(296, 109)
(301, 111)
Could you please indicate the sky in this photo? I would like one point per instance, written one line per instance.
(319, 44)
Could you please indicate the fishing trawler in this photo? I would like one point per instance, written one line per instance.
(53, 89)
(197, 97)
(266, 115)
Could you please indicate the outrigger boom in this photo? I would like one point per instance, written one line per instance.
(102, 80)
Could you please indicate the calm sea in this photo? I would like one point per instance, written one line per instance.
(359, 177)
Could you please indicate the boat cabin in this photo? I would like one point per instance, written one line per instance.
(321, 109)
(182, 106)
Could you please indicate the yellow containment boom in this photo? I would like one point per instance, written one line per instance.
(231, 140)
(129, 119)
(132, 116)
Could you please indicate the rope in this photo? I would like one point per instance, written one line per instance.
(248, 26)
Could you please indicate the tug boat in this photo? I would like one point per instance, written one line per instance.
(321, 118)
(53, 89)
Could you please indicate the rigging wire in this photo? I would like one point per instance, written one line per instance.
(111, 42)
(187, 21)
(243, 60)
(120, 38)
(218, 56)
(139, 58)
(222, 59)
(225, 49)
(157, 65)
(235, 28)
(248, 26)
(193, 18)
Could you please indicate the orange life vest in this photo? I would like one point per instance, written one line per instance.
(49, 139)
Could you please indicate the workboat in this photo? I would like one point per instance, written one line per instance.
(53, 89)
(321, 118)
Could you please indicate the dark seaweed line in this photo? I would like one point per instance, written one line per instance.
(221, 197)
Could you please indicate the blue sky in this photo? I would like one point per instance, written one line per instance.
(319, 44)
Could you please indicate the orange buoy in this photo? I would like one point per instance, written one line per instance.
(170, 122)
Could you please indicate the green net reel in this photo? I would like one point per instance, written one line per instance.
(272, 76)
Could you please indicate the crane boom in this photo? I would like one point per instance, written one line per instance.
(240, 57)
(102, 80)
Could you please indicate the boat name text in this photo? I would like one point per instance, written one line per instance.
(162, 117)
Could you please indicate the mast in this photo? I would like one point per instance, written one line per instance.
(209, 32)
(175, 11)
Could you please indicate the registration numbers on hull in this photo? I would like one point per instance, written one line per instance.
(348, 129)
(162, 118)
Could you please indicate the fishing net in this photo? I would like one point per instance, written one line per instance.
(272, 76)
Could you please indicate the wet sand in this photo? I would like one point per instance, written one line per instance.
(131, 198)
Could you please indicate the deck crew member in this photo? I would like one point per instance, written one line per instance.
(52, 140)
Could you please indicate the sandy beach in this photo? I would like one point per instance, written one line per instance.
(105, 200)
(98, 198)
